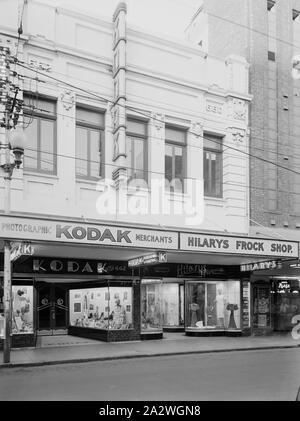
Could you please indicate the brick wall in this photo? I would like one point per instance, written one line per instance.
(275, 108)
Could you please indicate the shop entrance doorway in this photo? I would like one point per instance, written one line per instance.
(262, 321)
(52, 309)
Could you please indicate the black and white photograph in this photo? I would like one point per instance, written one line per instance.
(158, 140)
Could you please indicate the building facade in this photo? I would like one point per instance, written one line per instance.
(267, 34)
(124, 130)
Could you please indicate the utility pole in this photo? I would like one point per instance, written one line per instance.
(10, 108)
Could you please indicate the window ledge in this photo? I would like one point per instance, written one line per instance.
(214, 199)
(39, 175)
(88, 182)
(142, 191)
(176, 196)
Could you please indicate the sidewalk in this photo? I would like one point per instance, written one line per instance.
(173, 344)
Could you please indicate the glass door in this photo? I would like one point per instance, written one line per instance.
(52, 310)
(60, 308)
(261, 307)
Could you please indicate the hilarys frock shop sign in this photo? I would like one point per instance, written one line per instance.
(238, 245)
(27, 229)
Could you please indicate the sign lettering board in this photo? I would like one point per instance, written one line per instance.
(46, 265)
(20, 249)
(148, 259)
(207, 243)
(272, 264)
(68, 232)
(27, 229)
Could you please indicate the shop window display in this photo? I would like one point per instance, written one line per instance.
(22, 309)
(172, 308)
(1, 312)
(286, 303)
(151, 305)
(261, 307)
(213, 304)
(102, 308)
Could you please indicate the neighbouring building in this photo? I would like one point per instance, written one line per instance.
(122, 125)
(267, 34)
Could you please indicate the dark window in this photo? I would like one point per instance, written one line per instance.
(270, 4)
(212, 165)
(136, 149)
(40, 119)
(175, 157)
(271, 55)
(89, 143)
(296, 14)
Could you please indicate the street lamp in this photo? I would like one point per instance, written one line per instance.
(15, 141)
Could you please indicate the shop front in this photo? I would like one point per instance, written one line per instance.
(78, 281)
(276, 298)
(198, 299)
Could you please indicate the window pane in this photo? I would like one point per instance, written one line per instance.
(22, 309)
(213, 305)
(102, 308)
(137, 127)
(212, 142)
(129, 151)
(81, 152)
(86, 116)
(212, 173)
(151, 305)
(95, 149)
(178, 162)
(178, 184)
(32, 104)
(47, 144)
(206, 173)
(30, 152)
(138, 163)
(175, 135)
(168, 162)
(171, 304)
(216, 174)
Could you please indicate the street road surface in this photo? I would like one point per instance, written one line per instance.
(245, 375)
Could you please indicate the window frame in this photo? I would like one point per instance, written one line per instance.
(39, 116)
(91, 127)
(183, 145)
(144, 139)
(270, 4)
(217, 152)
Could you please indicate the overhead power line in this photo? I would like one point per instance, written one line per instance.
(156, 119)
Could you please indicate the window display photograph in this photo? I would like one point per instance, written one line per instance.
(261, 306)
(286, 303)
(22, 309)
(173, 304)
(213, 305)
(101, 308)
(1, 312)
(151, 305)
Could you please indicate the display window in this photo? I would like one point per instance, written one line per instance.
(1, 311)
(22, 309)
(246, 304)
(286, 303)
(213, 304)
(151, 305)
(173, 304)
(261, 306)
(102, 308)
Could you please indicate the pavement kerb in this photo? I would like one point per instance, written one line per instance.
(134, 356)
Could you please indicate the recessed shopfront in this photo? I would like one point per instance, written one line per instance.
(52, 309)
(82, 284)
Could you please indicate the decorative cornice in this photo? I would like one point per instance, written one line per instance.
(122, 7)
